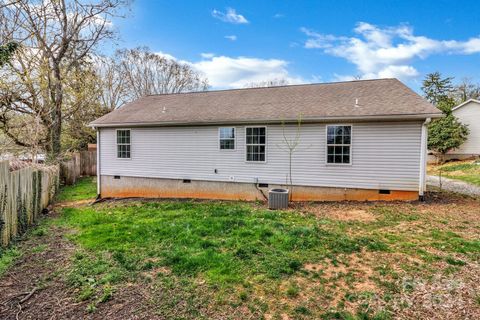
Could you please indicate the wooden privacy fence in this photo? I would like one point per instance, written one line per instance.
(24, 193)
(88, 163)
(82, 163)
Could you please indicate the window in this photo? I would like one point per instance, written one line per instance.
(255, 142)
(339, 140)
(123, 144)
(227, 138)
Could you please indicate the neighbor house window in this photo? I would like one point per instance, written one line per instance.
(256, 142)
(227, 138)
(123, 144)
(339, 144)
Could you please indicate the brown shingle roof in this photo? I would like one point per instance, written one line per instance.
(377, 99)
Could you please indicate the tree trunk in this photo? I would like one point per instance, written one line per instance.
(55, 134)
(442, 158)
(56, 126)
(291, 179)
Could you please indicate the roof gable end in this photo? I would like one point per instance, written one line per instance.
(466, 103)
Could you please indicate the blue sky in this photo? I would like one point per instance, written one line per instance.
(238, 42)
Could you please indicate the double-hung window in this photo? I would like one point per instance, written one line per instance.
(123, 144)
(339, 144)
(256, 140)
(227, 138)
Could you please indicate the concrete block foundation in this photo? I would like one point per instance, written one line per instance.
(126, 187)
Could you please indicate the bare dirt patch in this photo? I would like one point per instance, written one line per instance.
(327, 285)
(73, 204)
(340, 211)
(452, 296)
(351, 215)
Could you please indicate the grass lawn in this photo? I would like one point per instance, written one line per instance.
(233, 260)
(467, 171)
(84, 189)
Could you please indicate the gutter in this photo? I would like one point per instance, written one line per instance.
(422, 186)
(397, 117)
(99, 193)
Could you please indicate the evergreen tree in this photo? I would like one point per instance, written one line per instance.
(6, 52)
(446, 133)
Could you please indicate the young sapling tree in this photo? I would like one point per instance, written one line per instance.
(290, 145)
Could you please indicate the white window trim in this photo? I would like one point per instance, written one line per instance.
(266, 144)
(326, 144)
(234, 139)
(116, 143)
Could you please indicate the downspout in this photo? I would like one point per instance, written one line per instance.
(98, 165)
(423, 161)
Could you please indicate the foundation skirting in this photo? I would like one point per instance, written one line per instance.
(126, 187)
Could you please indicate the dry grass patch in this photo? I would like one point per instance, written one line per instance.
(348, 211)
(467, 171)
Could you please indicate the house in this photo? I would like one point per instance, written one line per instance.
(359, 140)
(468, 113)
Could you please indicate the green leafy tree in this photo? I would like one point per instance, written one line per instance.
(6, 52)
(446, 133)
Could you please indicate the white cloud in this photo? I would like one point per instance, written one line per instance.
(279, 15)
(386, 52)
(231, 37)
(231, 16)
(230, 72)
(402, 72)
(171, 57)
(166, 55)
(207, 55)
(470, 46)
(225, 72)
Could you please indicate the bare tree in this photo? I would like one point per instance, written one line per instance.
(7, 45)
(8, 147)
(24, 116)
(465, 90)
(290, 144)
(114, 92)
(56, 36)
(145, 72)
(133, 73)
(83, 105)
(21, 98)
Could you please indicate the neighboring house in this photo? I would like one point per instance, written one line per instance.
(468, 113)
(360, 140)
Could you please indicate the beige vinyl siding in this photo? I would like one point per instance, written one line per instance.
(384, 156)
(469, 114)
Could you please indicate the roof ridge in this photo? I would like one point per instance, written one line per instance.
(272, 87)
(325, 100)
(465, 103)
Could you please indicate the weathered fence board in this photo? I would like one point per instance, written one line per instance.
(88, 163)
(24, 193)
(83, 163)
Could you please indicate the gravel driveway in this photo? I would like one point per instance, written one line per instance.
(454, 186)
